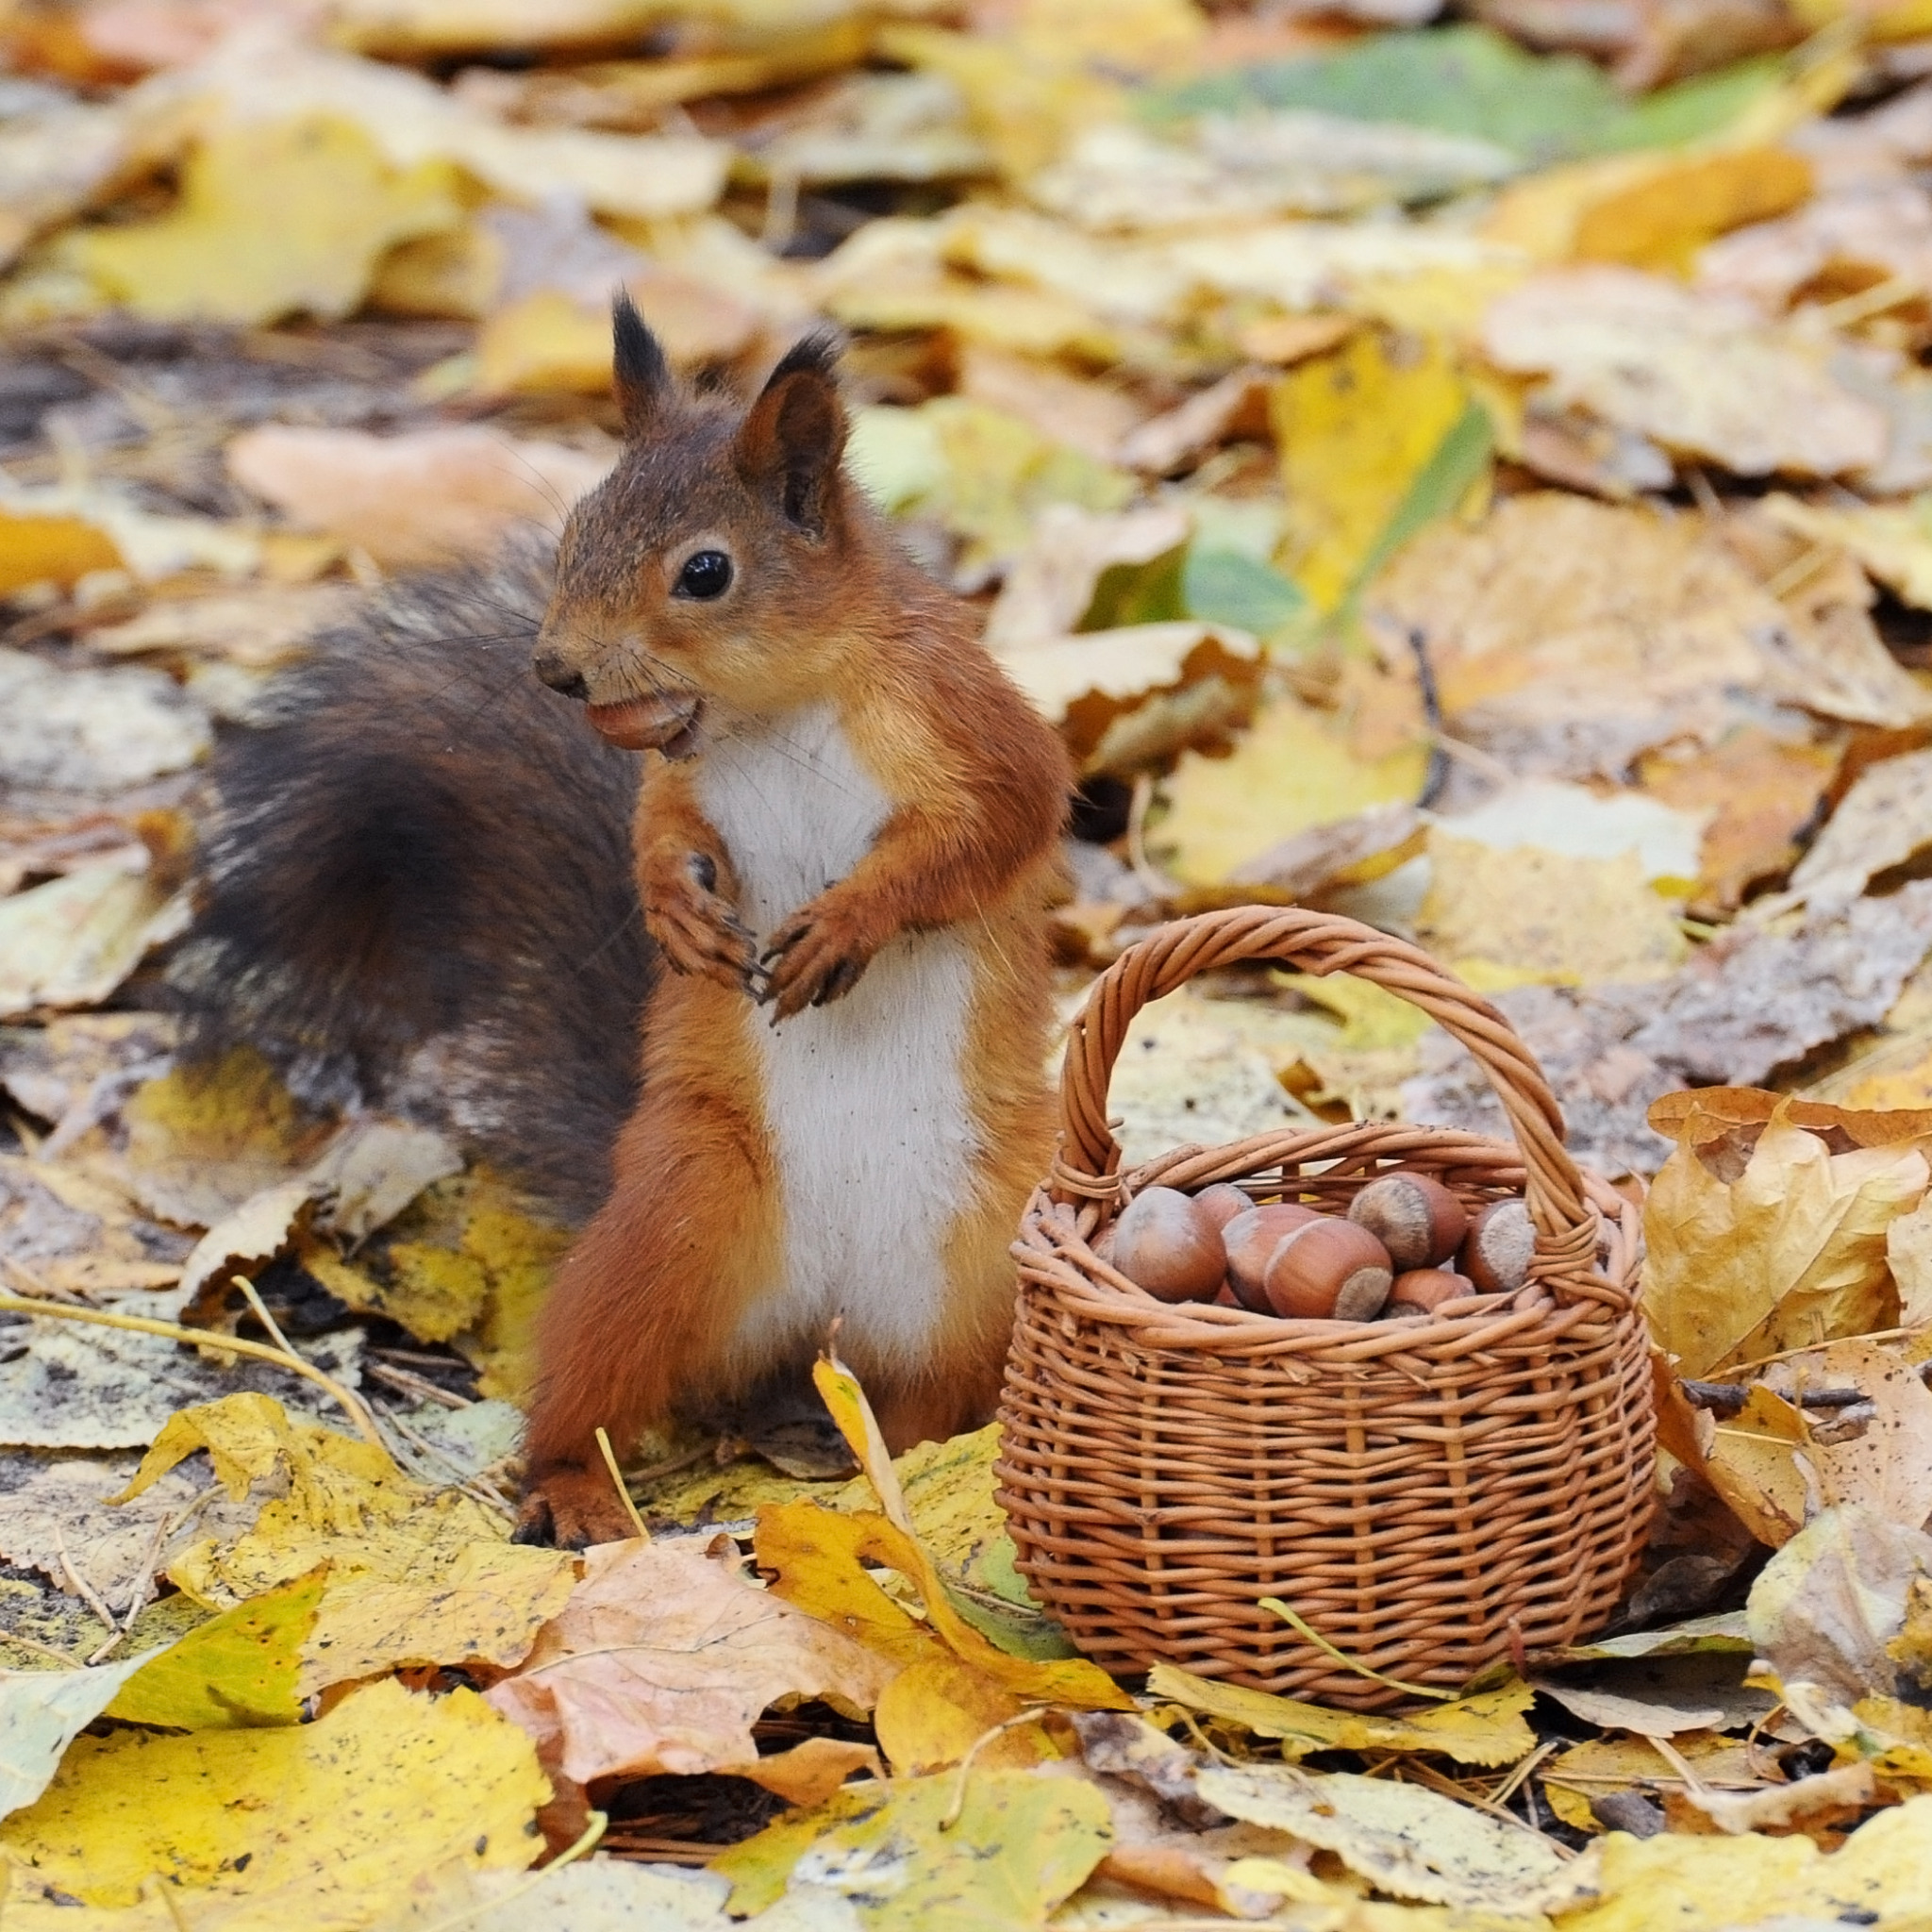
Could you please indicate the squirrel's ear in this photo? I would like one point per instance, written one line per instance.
(794, 436)
(640, 373)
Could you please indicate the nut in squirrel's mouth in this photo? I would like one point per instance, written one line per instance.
(652, 724)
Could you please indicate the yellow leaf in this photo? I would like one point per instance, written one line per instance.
(50, 550)
(415, 1575)
(1354, 430)
(1024, 105)
(474, 1253)
(1548, 916)
(1662, 221)
(1293, 769)
(1893, 540)
(239, 1668)
(1487, 1728)
(549, 341)
(1789, 1254)
(961, 1686)
(275, 218)
(341, 1813)
(249, 1437)
(1602, 1765)
(1696, 1884)
(201, 1141)
(1751, 1462)
(995, 1852)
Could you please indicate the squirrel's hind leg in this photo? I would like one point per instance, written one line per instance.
(634, 1321)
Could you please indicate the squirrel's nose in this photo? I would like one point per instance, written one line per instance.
(560, 673)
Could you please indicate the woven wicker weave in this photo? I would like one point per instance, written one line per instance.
(1430, 1495)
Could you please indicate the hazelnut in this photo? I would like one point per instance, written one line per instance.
(1413, 1215)
(1222, 1202)
(1164, 1243)
(1423, 1290)
(1329, 1268)
(1250, 1238)
(1501, 1242)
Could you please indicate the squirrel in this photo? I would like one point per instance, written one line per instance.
(827, 1048)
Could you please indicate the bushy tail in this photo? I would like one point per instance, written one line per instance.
(419, 880)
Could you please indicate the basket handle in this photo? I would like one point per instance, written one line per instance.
(1087, 1164)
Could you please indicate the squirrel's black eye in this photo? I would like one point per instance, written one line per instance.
(707, 575)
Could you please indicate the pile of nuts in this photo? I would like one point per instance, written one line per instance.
(1391, 1257)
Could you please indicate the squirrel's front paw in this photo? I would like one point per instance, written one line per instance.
(697, 930)
(818, 953)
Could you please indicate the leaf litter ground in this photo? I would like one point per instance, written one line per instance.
(1467, 476)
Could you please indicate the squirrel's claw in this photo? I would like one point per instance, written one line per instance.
(813, 958)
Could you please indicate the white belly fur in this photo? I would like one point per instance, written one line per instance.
(864, 1097)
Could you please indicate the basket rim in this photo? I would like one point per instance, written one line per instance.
(1563, 1211)
(1054, 1255)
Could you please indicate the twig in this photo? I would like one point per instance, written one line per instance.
(40, 1649)
(1507, 1790)
(475, 1487)
(1422, 1773)
(1680, 1764)
(1153, 880)
(200, 1337)
(80, 1587)
(136, 1594)
(630, 1509)
(1727, 1398)
(957, 1807)
(418, 1386)
(1303, 1628)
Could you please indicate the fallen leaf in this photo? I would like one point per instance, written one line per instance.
(240, 1244)
(1485, 1728)
(989, 1852)
(1690, 371)
(665, 1656)
(1595, 1769)
(1662, 220)
(342, 1810)
(202, 1140)
(276, 218)
(1791, 1251)
(71, 941)
(1640, 1716)
(1743, 1006)
(1758, 790)
(416, 1575)
(1052, 585)
(427, 496)
(1406, 1841)
(1292, 769)
(1705, 1883)
(1536, 914)
(87, 730)
(1355, 431)
(1884, 821)
(1893, 541)
(374, 1170)
(43, 1711)
(50, 550)
(237, 1671)
(1569, 637)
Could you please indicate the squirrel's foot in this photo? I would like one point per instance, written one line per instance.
(567, 1507)
(817, 954)
(698, 931)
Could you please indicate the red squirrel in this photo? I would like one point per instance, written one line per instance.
(846, 840)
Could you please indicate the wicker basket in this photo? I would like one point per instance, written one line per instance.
(1429, 1495)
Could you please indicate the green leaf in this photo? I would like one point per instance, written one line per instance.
(1468, 80)
(1231, 587)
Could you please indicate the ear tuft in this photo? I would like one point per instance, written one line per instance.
(641, 374)
(794, 435)
(817, 353)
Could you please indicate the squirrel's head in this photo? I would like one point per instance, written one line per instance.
(706, 577)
